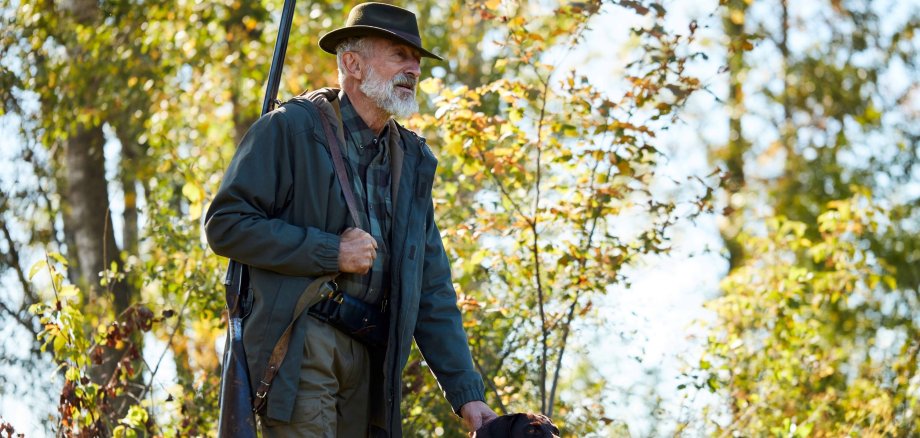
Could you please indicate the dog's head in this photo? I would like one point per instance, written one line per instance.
(518, 426)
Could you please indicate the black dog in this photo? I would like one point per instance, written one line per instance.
(518, 426)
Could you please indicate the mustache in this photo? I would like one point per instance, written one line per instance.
(403, 79)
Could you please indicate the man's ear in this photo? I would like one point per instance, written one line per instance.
(354, 65)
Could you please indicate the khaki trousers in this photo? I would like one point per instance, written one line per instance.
(332, 396)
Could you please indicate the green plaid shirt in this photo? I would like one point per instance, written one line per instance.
(369, 159)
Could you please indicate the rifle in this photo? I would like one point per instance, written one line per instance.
(237, 415)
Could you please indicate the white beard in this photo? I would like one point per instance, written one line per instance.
(395, 102)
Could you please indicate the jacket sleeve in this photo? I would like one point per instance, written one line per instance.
(242, 221)
(439, 329)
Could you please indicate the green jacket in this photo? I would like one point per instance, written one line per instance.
(280, 210)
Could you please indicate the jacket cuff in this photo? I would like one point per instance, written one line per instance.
(325, 250)
(465, 395)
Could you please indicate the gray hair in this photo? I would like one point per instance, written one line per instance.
(353, 44)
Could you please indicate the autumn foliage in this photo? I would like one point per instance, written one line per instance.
(549, 195)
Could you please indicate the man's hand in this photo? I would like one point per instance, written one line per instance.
(357, 251)
(475, 414)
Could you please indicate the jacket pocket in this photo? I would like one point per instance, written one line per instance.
(423, 187)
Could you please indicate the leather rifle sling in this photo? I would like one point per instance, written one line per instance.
(335, 149)
(307, 298)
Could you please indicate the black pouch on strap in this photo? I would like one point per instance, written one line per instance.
(364, 322)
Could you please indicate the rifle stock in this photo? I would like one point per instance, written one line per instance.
(237, 418)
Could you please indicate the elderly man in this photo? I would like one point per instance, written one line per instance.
(282, 210)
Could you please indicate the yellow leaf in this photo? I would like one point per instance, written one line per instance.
(515, 115)
(452, 148)
(58, 257)
(69, 290)
(430, 85)
(493, 4)
(737, 16)
(164, 166)
(194, 211)
(192, 192)
(37, 267)
(441, 111)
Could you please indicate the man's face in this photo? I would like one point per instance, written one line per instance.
(391, 74)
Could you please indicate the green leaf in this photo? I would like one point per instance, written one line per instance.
(136, 416)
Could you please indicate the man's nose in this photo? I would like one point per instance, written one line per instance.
(414, 68)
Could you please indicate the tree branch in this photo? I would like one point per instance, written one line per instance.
(501, 187)
(172, 335)
(28, 295)
(565, 335)
(589, 238)
(541, 299)
(26, 323)
(501, 405)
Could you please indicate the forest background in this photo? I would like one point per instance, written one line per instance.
(672, 218)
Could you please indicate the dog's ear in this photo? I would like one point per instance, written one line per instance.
(520, 425)
(549, 423)
(532, 425)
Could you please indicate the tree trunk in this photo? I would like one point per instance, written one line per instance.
(87, 213)
(129, 157)
(87, 216)
(732, 154)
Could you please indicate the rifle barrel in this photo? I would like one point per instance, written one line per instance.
(281, 43)
(268, 103)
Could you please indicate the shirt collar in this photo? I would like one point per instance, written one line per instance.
(356, 131)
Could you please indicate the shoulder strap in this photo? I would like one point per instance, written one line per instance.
(338, 163)
(335, 148)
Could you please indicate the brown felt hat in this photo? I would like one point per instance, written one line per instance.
(378, 19)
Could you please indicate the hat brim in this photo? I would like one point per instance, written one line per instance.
(329, 41)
